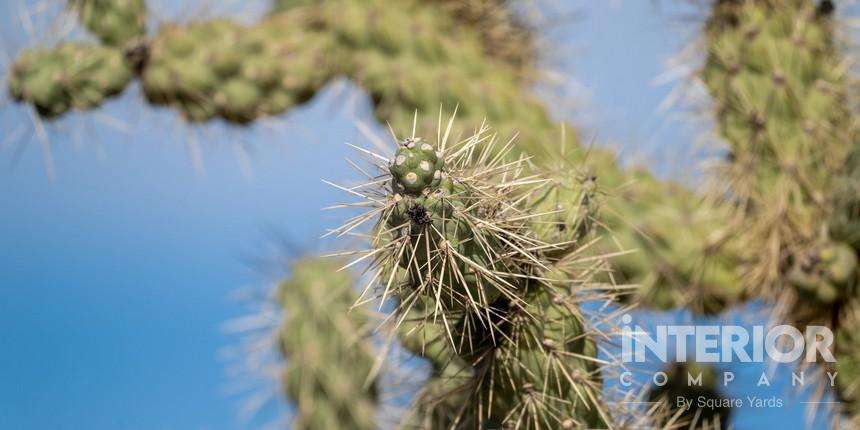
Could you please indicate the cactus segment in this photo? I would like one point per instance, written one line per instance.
(222, 69)
(780, 88)
(503, 35)
(776, 78)
(114, 22)
(69, 76)
(328, 352)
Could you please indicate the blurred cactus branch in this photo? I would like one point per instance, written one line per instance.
(327, 348)
(779, 84)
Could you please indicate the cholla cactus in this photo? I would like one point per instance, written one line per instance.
(779, 86)
(220, 68)
(478, 291)
(72, 75)
(682, 258)
(779, 89)
(327, 348)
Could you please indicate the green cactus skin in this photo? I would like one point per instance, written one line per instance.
(678, 386)
(438, 404)
(502, 35)
(677, 255)
(114, 22)
(71, 75)
(327, 348)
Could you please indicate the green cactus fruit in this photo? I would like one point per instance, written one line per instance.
(416, 168)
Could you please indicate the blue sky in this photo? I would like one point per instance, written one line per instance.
(117, 274)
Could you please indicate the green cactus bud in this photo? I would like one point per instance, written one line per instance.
(416, 167)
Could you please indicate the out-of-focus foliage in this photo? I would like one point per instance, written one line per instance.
(419, 55)
(327, 348)
(72, 75)
(779, 84)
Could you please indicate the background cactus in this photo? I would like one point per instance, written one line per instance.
(72, 75)
(779, 86)
(327, 347)
(114, 22)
